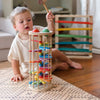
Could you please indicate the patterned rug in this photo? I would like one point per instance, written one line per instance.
(20, 91)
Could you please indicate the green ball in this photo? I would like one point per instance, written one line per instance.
(45, 30)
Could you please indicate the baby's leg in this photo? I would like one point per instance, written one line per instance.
(60, 66)
(59, 56)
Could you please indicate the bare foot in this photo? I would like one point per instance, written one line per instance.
(62, 66)
(76, 65)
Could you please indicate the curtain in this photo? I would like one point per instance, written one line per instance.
(94, 10)
(90, 7)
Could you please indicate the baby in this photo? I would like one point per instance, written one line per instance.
(21, 18)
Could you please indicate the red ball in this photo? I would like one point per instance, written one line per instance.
(35, 30)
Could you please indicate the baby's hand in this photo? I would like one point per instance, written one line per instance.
(17, 77)
(49, 16)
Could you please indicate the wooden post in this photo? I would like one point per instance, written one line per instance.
(56, 32)
(90, 34)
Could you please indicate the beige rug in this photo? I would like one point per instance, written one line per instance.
(20, 91)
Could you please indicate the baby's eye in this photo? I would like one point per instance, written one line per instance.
(29, 20)
(21, 21)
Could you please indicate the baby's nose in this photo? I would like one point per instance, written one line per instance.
(25, 22)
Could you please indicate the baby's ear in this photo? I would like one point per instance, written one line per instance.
(14, 26)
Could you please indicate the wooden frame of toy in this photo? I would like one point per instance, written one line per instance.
(40, 60)
(85, 50)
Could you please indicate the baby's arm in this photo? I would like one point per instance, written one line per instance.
(17, 75)
(50, 22)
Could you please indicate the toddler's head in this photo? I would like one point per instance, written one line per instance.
(21, 18)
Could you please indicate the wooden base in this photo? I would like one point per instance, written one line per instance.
(80, 57)
(42, 88)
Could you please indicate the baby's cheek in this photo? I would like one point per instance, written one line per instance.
(21, 27)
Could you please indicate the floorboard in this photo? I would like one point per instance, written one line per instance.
(87, 79)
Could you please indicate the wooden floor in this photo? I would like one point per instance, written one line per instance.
(87, 79)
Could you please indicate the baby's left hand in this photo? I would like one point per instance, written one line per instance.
(49, 16)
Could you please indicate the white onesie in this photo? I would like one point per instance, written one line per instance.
(19, 51)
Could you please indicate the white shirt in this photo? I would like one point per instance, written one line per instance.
(19, 51)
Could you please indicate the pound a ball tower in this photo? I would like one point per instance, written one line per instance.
(40, 59)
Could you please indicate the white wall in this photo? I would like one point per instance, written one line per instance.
(34, 4)
(67, 4)
(0, 8)
(7, 6)
(74, 5)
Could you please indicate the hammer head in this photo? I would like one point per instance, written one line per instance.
(42, 1)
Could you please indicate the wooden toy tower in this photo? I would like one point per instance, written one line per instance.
(84, 40)
(40, 60)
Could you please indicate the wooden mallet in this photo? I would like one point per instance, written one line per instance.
(43, 2)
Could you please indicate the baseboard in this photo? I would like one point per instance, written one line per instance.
(96, 50)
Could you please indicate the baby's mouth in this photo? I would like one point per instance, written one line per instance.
(26, 27)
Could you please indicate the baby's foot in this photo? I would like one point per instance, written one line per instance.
(63, 66)
(76, 65)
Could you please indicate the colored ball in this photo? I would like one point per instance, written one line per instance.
(40, 74)
(30, 82)
(35, 30)
(45, 30)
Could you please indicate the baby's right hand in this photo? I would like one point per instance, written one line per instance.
(17, 77)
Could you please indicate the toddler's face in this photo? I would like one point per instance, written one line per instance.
(23, 23)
